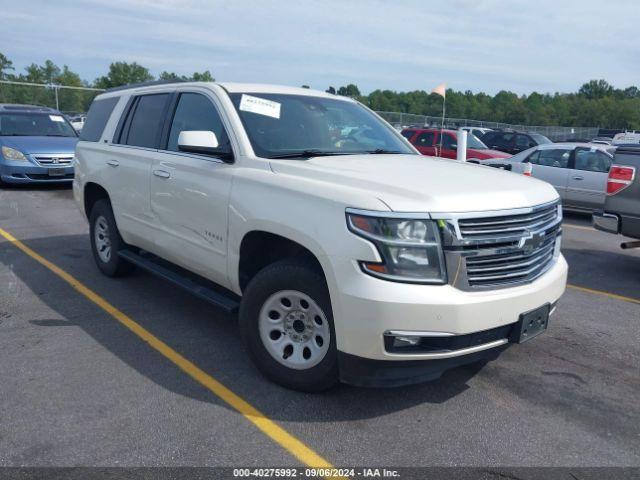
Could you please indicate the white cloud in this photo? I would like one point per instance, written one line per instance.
(472, 44)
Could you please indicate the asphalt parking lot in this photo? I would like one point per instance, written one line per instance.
(79, 388)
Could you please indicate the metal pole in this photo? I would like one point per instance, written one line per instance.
(444, 99)
(57, 104)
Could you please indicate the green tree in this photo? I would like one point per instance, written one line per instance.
(6, 65)
(349, 91)
(123, 73)
(596, 89)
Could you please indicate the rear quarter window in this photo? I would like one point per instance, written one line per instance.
(97, 118)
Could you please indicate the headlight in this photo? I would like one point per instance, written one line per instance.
(13, 154)
(410, 248)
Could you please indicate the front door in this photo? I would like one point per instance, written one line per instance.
(552, 166)
(424, 142)
(190, 193)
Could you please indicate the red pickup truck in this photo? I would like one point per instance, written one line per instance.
(427, 141)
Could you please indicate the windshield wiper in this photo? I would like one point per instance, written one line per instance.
(308, 154)
(382, 151)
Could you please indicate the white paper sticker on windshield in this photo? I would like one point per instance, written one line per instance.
(261, 106)
(56, 118)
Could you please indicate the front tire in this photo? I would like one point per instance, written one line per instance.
(287, 325)
(106, 241)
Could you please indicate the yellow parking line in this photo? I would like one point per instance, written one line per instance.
(578, 227)
(270, 428)
(615, 296)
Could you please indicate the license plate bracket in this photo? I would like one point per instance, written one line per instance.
(56, 172)
(531, 324)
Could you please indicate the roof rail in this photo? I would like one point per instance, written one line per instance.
(143, 84)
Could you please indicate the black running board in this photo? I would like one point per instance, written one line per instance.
(193, 284)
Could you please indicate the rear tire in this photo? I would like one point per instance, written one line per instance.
(106, 241)
(287, 325)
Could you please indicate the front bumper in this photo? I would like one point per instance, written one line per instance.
(365, 308)
(24, 172)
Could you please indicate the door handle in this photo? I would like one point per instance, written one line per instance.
(578, 177)
(113, 163)
(161, 174)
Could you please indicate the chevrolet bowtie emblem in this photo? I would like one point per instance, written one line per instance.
(531, 241)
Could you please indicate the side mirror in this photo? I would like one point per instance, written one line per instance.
(454, 146)
(203, 142)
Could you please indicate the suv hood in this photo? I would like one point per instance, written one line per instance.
(31, 145)
(486, 154)
(416, 183)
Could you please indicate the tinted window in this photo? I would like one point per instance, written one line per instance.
(524, 141)
(498, 139)
(448, 141)
(558, 158)
(97, 118)
(146, 122)
(425, 139)
(407, 133)
(196, 112)
(592, 161)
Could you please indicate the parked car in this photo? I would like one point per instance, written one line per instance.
(37, 145)
(479, 132)
(513, 142)
(350, 256)
(77, 122)
(626, 138)
(621, 211)
(578, 171)
(427, 141)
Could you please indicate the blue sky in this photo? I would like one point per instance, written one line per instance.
(479, 45)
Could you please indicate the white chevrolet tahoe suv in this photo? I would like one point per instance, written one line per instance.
(349, 256)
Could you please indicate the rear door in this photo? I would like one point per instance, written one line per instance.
(135, 147)
(588, 179)
(449, 145)
(552, 166)
(424, 142)
(190, 192)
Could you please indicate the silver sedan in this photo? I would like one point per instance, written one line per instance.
(577, 170)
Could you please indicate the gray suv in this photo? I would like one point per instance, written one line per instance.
(621, 213)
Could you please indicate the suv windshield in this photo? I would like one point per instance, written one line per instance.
(35, 124)
(541, 139)
(284, 125)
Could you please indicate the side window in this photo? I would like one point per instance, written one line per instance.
(97, 118)
(196, 112)
(592, 161)
(523, 142)
(448, 141)
(500, 139)
(425, 139)
(558, 158)
(407, 133)
(144, 122)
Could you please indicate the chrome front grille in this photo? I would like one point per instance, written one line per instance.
(517, 224)
(509, 268)
(54, 160)
(502, 249)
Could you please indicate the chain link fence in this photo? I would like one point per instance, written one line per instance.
(76, 100)
(69, 100)
(555, 133)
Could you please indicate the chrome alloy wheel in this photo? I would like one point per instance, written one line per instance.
(294, 329)
(102, 239)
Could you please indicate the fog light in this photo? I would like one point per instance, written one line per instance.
(406, 341)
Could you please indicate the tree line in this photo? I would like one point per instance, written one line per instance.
(596, 103)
